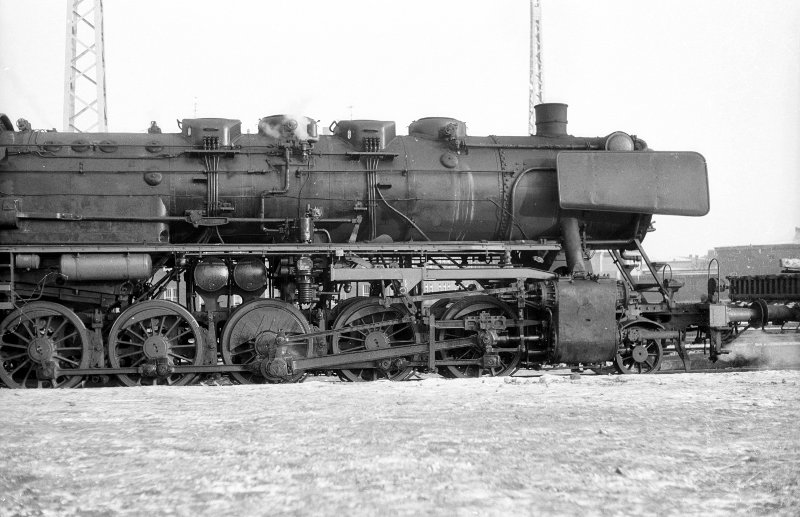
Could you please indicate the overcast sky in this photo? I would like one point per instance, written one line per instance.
(719, 77)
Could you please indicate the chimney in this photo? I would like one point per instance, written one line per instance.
(551, 119)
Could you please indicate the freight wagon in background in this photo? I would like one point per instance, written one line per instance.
(264, 237)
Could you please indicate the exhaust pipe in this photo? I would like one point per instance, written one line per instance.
(551, 119)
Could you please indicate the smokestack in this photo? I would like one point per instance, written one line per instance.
(551, 119)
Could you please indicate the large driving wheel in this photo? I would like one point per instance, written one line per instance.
(638, 355)
(473, 306)
(39, 344)
(363, 326)
(342, 305)
(156, 335)
(254, 334)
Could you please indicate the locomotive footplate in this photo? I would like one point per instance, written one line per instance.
(412, 247)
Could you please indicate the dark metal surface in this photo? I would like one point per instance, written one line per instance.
(671, 183)
(450, 244)
(585, 326)
(140, 188)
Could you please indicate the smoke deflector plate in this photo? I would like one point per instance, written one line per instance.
(670, 183)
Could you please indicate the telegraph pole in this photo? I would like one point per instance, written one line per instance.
(85, 68)
(536, 84)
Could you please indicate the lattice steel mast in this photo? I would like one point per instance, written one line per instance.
(85, 68)
(536, 84)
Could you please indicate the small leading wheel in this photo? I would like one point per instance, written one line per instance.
(156, 335)
(638, 355)
(373, 333)
(509, 355)
(39, 344)
(254, 334)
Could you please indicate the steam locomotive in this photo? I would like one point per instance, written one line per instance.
(360, 252)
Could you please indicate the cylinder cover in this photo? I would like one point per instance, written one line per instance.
(250, 274)
(211, 274)
(586, 324)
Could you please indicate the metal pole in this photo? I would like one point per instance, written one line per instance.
(84, 68)
(536, 82)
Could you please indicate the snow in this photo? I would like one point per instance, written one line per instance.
(701, 444)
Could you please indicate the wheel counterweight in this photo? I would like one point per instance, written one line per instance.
(256, 335)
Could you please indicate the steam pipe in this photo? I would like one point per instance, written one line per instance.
(512, 193)
(287, 155)
(570, 229)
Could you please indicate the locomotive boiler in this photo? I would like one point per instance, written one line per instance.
(362, 252)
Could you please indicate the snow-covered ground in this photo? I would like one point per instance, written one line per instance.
(700, 444)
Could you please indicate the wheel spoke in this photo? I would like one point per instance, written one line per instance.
(66, 348)
(129, 354)
(245, 359)
(23, 338)
(23, 363)
(177, 321)
(144, 329)
(401, 329)
(129, 343)
(404, 342)
(244, 345)
(141, 338)
(28, 372)
(178, 356)
(66, 337)
(191, 346)
(61, 326)
(31, 334)
(189, 331)
(161, 324)
(70, 361)
(12, 345)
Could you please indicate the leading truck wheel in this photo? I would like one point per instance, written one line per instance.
(637, 355)
(256, 332)
(154, 336)
(39, 344)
